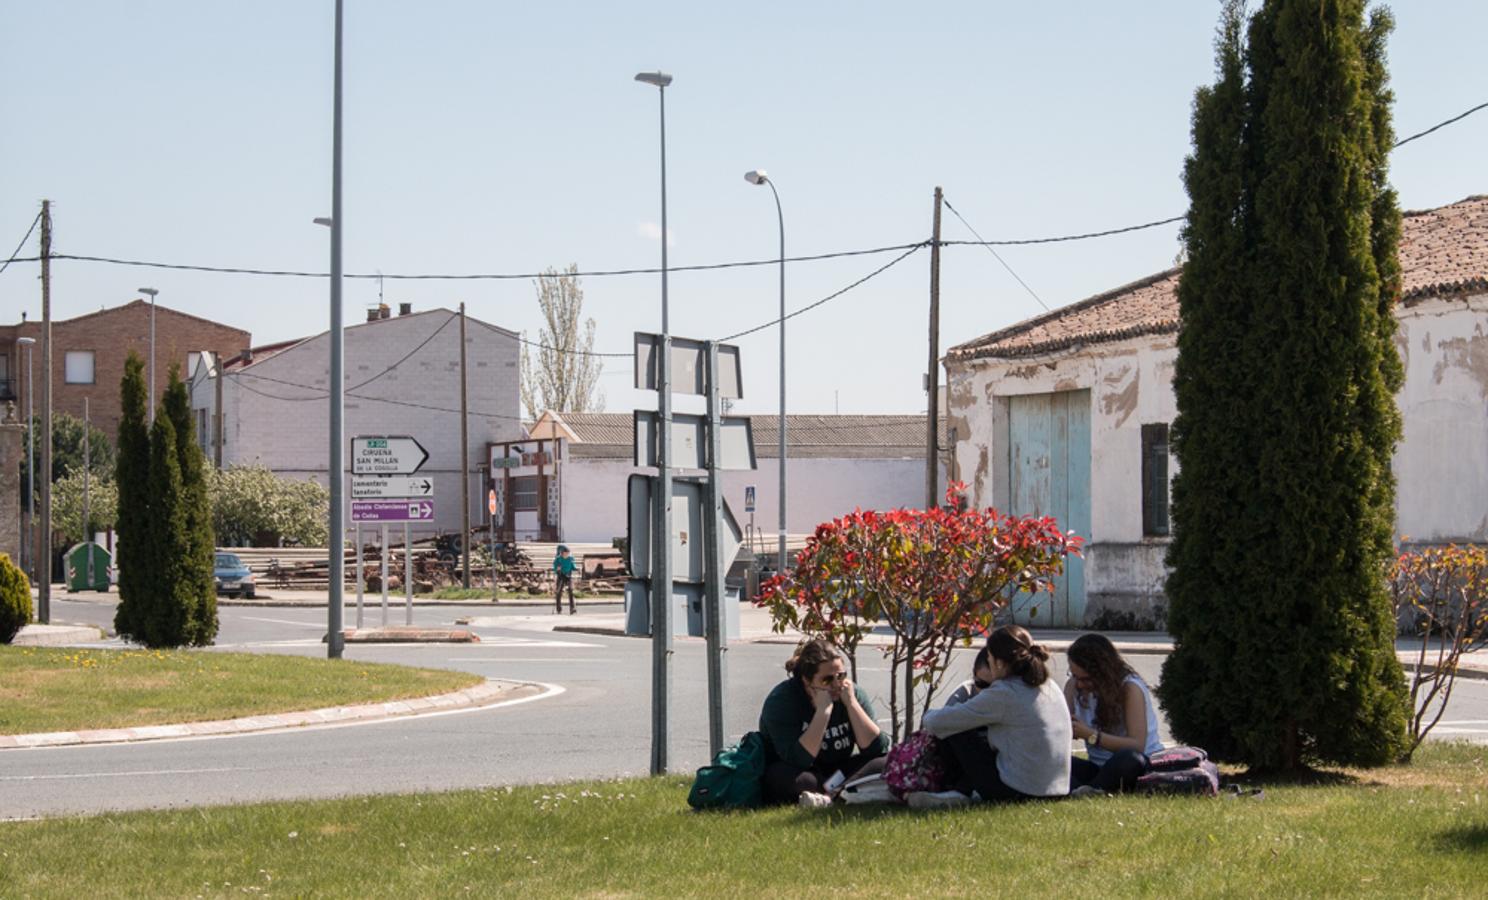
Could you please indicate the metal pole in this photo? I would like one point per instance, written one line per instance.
(713, 563)
(217, 415)
(152, 357)
(360, 572)
(44, 542)
(408, 570)
(932, 377)
(491, 513)
(464, 464)
(384, 555)
(781, 450)
(336, 439)
(87, 464)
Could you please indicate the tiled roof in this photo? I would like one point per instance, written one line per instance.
(608, 436)
(1443, 252)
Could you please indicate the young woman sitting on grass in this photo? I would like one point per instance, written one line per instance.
(817, 723)
(1010, 741)
(1112, 712)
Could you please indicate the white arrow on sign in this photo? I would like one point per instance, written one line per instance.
(378, 487)
(386, 455)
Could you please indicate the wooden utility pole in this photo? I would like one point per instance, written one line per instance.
(44, 541)
(464, 464)
(932, 375)
(217, 413)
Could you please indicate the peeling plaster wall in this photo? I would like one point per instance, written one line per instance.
(1131, 385)
(1441, 464)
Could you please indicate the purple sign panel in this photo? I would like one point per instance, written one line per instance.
(392, 510)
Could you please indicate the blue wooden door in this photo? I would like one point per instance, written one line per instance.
(1049, 475)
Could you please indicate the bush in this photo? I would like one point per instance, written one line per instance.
(251, 506)
(15, 599)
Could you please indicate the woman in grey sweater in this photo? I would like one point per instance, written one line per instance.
(1011, 741)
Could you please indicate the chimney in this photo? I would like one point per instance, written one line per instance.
(405, 309)
(247, 355)
(384, 311)
(373, 314)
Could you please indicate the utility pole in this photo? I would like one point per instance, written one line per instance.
(464, 464)
(217, 415)
(87, 464)
(932, 374)
(44, 543)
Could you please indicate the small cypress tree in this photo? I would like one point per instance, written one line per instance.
(200, 559)
(1284, 502)
(168, 620)
(132, 474)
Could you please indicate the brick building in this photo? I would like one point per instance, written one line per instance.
(88, 354)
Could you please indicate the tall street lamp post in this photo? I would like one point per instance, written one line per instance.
(336, 444)
(151, 292)
(758, 176)
(28, 535)
(661, 519)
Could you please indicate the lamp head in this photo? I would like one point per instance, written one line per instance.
(659, 79)
(322, 220)
(25, 341)
(756, 176)
(148, 292)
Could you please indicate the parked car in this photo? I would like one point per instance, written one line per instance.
(233, 578)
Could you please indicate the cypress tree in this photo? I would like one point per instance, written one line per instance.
(167, 624)
(1283, 506)
(200, 583)
(132, 474)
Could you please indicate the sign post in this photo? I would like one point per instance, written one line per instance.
(491, 515)
(717, 642)
(408, 570)
(384, 490)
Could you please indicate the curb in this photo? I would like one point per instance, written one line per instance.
(481, 695)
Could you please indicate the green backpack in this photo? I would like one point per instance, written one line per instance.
(735, 779)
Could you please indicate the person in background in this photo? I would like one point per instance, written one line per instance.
(563, 568)
(1112, 712)
(1011, 740)
(817, 723)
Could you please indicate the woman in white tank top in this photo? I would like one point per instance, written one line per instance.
(1111, 710)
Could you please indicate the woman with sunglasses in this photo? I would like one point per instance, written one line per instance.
(817, 723)
(1112, 712)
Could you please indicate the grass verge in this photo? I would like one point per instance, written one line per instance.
(459, 593)
(1420, 830)
(66, 689)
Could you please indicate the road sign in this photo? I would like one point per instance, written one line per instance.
(491, 501)
(689, 449)
(381, 487)
(392, 510)
(687, 528)
(386, 455)
(689, 366)
(749, 498)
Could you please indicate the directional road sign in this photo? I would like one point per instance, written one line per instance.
(380, 487)
(386, 455)
(392, 510)
(735, 441)
(689, 366)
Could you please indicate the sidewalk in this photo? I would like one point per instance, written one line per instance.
(288, 598)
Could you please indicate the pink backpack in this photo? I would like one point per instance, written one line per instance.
(915, 765)
(1180, 770)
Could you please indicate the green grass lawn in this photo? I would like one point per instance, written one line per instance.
(1414, 831)
(65, 689)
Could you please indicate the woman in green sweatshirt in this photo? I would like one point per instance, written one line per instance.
(817, 723)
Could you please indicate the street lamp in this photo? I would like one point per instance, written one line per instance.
(151, 292)
(661, 518)
(335, 461)
(28, 538)
(757, 177)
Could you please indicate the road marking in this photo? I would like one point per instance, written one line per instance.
(320, 625)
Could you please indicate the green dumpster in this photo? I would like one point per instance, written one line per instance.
(78, 576)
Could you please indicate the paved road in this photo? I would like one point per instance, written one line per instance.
(599, 726)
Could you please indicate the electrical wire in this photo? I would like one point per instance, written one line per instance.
(22, 243)
(1421, 134)
(996, 256)
(422, 344)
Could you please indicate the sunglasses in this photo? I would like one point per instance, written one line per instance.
(828, 679)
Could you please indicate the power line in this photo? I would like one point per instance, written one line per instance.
(575, 352)
(996, 256)
(832, 296)
(1421, 134)
(422, 344)
(1057, 240)
(22, 243)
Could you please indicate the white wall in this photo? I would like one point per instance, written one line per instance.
(1441, 465)
(270, 421)
(817, 490)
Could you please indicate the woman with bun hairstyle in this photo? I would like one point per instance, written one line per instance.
(817, 723)
(1011, 740)
(1112, 712)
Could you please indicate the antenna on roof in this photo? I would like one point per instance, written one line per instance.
(379, 287)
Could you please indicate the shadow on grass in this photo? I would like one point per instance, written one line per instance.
(1463, 839)
(1299, 778)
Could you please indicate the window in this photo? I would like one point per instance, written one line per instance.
(79, 367)
(524, 491)
(1155, 480)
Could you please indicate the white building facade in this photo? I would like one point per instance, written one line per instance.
(1067, 415)
(402, 377)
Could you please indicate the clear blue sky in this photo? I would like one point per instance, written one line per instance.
(485, 137)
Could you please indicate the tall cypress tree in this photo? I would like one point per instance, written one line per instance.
(200, 586)
(1283, 505)
(132, 474)
(167, 624)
